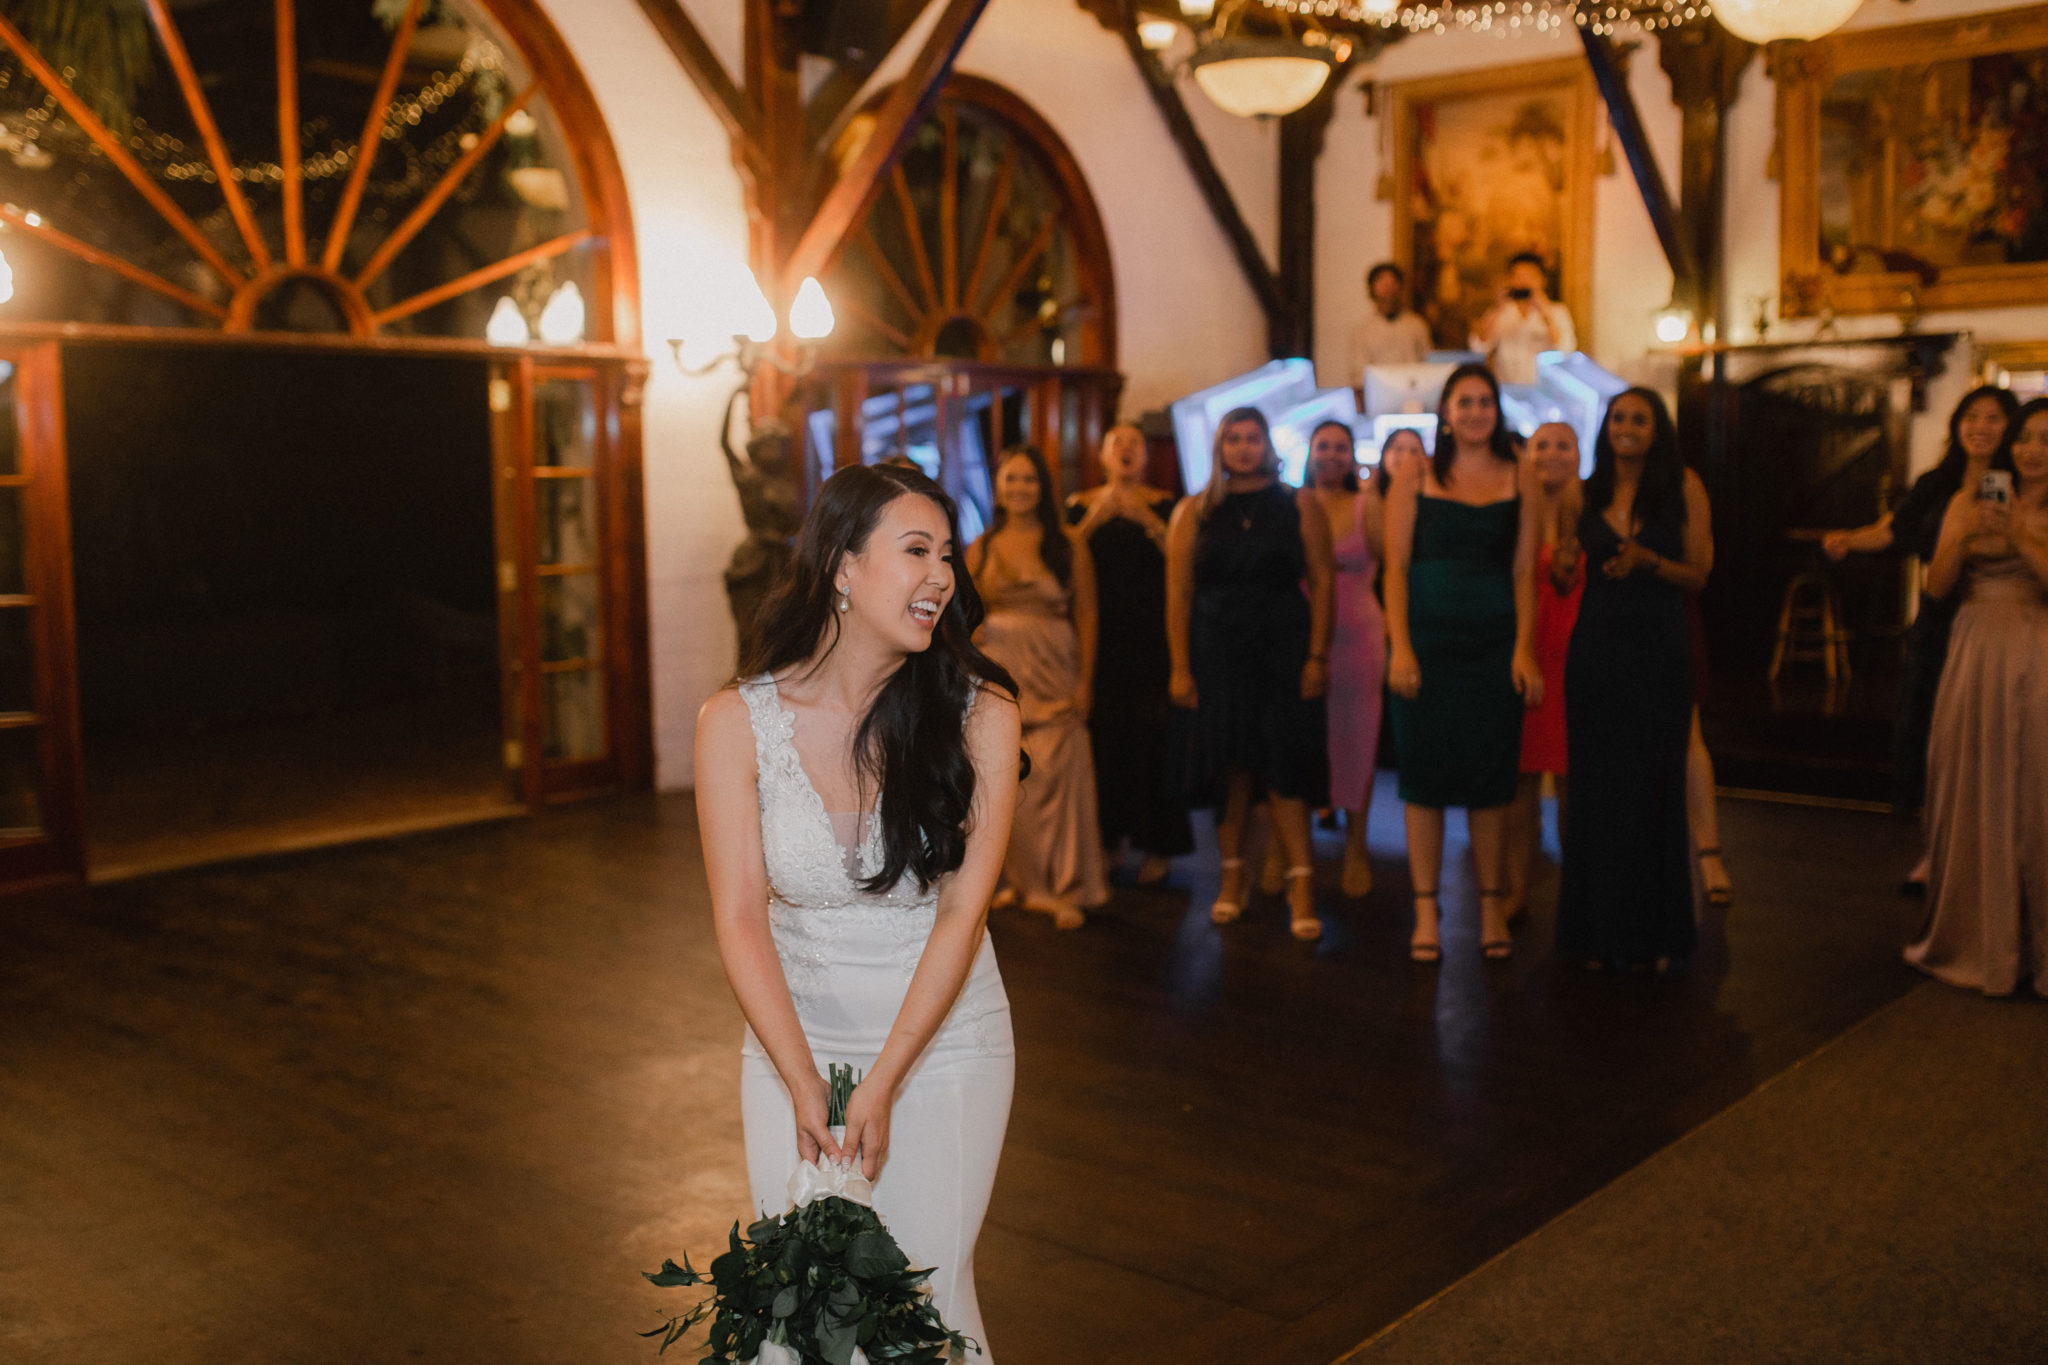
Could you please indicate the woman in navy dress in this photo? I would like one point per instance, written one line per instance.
(1626, 897)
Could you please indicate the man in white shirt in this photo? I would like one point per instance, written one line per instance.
(1523, 322)
(1391, 334)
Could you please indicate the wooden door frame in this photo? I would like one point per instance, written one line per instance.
(46, 525)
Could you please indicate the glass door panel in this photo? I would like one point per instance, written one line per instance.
(553, 458)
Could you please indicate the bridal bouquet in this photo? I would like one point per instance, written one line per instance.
(824, 1284)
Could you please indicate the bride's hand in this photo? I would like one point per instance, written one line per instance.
(813, 1133)
(867, 1126)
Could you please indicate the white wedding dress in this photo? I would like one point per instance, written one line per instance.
(848, 957)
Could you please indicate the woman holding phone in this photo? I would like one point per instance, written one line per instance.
(1987, 759)
(1976, 431)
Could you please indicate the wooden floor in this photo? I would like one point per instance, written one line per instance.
(442, 1098)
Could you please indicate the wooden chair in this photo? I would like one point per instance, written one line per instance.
(1810, 629)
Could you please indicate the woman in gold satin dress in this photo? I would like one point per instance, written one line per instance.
(1038, 583)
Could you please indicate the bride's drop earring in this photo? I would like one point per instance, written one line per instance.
(845, 599)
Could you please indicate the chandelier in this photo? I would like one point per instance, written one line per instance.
(1768, 21)
(1265, 76)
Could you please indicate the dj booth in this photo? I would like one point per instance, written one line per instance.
(1570, 387)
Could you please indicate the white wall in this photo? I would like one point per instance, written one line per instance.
(1186, 318)
(690, 220)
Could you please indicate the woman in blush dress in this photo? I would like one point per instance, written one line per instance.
(1461, 615)
(1626, 895)
(1251, 653)
(1123, 523)
(1554, 449)
(1977, 429)
(1987, 756)
(1039, 583)
(1358, 649)
(854, 793)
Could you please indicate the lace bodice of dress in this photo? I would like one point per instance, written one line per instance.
(808, 867)
(814, 901)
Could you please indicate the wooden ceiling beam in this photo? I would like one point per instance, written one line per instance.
(732, 108)
(847, 203)
(1627, 122)
(1223, 207)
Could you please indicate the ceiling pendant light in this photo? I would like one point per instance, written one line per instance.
(1260, 77)
(1264, 76)
(1768, 21)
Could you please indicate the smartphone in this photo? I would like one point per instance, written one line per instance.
(1995, 487)
(1519, 295)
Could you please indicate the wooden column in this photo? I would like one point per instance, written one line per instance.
(1705, 63)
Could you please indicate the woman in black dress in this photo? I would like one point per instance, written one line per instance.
(1251, 655)
(1626, 896)
(1124, 523)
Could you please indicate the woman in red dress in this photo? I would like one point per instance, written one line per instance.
(1560, 578)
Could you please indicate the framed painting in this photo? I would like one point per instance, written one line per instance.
(1488, 165)
(1915, 167)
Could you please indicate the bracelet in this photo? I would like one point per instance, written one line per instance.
(1319, 658)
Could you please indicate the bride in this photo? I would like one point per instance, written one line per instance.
(854, 793)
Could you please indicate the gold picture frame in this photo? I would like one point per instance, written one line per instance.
(1898, 188)
(1537, 122)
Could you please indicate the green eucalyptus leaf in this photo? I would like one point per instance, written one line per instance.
(672, 1275)
(874, 1255)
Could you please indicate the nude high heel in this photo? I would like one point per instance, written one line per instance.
(1305, 927)
(1226, 909)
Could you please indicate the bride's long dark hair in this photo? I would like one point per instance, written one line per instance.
(911, 745)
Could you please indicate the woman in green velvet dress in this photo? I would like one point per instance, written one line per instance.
(1461, 613)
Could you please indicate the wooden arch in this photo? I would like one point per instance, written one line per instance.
(934, 290)
(614, 311)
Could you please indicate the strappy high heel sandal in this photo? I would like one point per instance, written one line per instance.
(1225, 910)
(1718, 897)
(1494, 949)
(1425, 949)
(1306, 928)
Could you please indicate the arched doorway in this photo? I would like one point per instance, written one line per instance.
(261, 254)
(980, 305)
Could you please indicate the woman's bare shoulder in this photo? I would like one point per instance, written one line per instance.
(725, 711)
(994, 717)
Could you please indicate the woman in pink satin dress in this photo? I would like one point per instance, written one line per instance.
(1358, 649)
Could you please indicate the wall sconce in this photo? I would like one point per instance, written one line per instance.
(1673, 324)
(560, 323)
(1157, 35)
(754, 327)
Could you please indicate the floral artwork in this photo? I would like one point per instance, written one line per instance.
(1915, 166)
(1929, 167)
(1489, 165)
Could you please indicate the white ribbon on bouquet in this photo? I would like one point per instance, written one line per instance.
(816, 1180)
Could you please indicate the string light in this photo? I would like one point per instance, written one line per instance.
(1501, 19)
